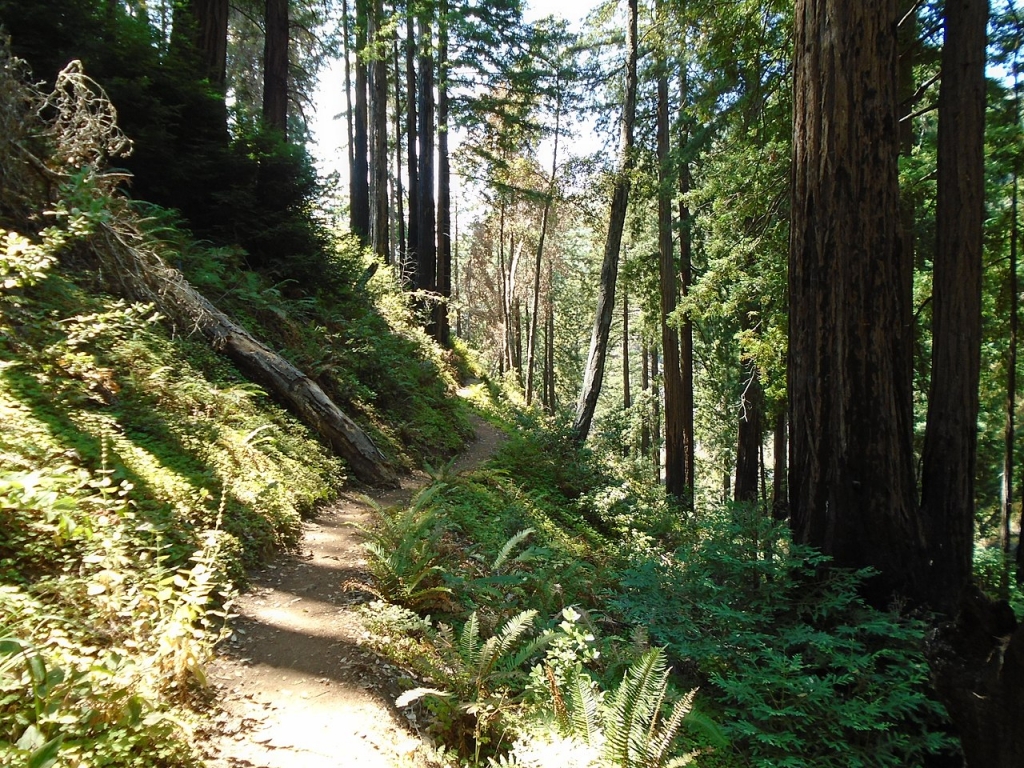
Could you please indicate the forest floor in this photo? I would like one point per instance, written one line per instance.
(297, 685)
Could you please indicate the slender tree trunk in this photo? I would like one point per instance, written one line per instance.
(359, 193)
(426, 252)
(851, 480)
(675, 449)
(400, 241)
(686, 331)
(627, 396)
(780, 497)
(506, 333)
(275, 67)
(656, 420)
(908, 42)
(594, 372)
(549, 342)
(548, 199)
(350, 146)
(645, 385)
(411, 137)
(444, 197)
(948, 459)
(748, 442)
(1009, 431)
(379, 216)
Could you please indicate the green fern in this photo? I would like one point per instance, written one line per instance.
(403, 556)
(630, 729)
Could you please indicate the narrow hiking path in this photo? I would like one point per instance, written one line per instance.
(296, 684)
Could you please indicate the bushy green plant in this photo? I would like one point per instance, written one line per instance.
(403, 554)
(478, 681)
(801, 670)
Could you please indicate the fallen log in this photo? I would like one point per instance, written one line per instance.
(141, 275)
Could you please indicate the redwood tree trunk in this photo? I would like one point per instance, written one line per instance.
(948, 460)
(675, 442)
(748, 442)
(852, 491)
(412, 162)
(275, 66)
(594, 372)
(359, 192)
(379, 219)
(444, 196)
(426, 249)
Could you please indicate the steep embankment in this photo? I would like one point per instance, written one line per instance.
(298, 686)
(140, 472)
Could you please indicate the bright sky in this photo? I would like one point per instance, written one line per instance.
(328, 124)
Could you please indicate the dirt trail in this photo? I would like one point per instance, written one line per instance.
(297, 686)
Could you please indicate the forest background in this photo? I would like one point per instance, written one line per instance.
(658, 427)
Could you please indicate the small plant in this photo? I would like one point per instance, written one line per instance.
(403, 554)
(479, 680)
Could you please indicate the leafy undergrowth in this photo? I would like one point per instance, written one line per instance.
(541, 582)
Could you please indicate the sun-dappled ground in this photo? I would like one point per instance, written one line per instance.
(297, 683)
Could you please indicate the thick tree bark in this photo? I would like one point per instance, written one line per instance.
(142, 276)
(359, 192)
(852, 489)
(444, 195)
(675, 444)
(275, 67)
(948, 460)
(594, 372)
(379, 216)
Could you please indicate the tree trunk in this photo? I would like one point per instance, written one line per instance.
(444, 196)
(275, 67)
(627, 396)
(211, 39)
(142, 276)
(594, 372)
(675, 447)
(359, 192)
(379, 216)
(412, 162)
(426, 250)
(656, 417)
(540, 244)
(1009, 436)
(780, 497)
(748, 441)
(645, 385)
(686, 332)
(851, 480)
(350, 128)
(948, 459)
(400, 240)
(549, 344)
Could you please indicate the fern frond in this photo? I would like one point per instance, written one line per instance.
(585, 714)
(509, 547)
(660, 742)
(416, 694)
(469, 642)
(633, 706)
